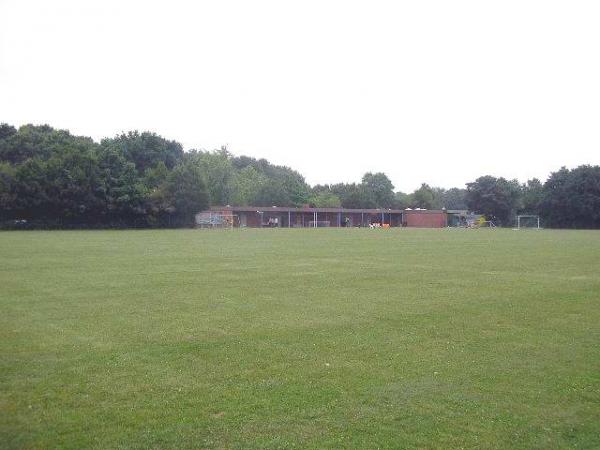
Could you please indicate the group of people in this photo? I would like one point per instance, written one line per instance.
(273, 222)
(379, 225)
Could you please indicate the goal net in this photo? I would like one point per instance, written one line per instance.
(528, 221)
(214, 220)
(318, 223)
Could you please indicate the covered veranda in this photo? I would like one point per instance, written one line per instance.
(289, 217)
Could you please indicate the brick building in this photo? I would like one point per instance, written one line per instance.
(290, 217)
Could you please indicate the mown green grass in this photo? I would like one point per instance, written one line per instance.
(348, 338)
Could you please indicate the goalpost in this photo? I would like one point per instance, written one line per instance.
(528, 221)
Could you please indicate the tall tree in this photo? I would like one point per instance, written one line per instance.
(402, 200)
(186, 191)
(72, 183)
(7, 196)
(38, 141)
(532, 196)
(325, 199)
(282, 183)
(273, 193)
(381, 188)
(124, 196)
(354, 195)
(572, 198)
(55, 174)
(496, 198)
(218, 172)
(6, 131)
(454, 198)
(247, 184)
(424, 197)
(146, 149)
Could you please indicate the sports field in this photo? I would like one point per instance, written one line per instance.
(327, 338)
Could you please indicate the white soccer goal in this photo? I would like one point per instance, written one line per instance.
(528, 221)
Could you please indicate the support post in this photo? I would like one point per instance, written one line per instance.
(289, 219)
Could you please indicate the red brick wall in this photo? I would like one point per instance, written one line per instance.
(253, 219)
(425, 220)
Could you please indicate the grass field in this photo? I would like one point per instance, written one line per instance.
(300, 338)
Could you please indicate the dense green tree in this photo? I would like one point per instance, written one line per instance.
(38, 141)
(381, 188)
(354, 195)
(31, 186)
(295, 186)
(6, 131)
(53, 177)
(273, 193)
(571, 198)
(531, 196)
(402, 200)
(154, 176)
(454, 198)
(218, 171)
(325, 199)
(60, 178)
(496, 198)
(318, 188)
(146, 149)
(124, 195)
(435, 198)
(185, 192)
(55, 174)
(281, 184)
(247, 184)
(72, 185)
(424, 197)
(7, 196)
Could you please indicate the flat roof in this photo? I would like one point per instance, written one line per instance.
(424, 211)
(286, 209)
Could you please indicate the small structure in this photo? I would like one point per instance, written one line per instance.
(457, 217)
(425, 218)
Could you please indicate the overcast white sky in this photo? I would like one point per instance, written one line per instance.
(425, 91)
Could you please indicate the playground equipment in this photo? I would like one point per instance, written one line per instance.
(215, 220)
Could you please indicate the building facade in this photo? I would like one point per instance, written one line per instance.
(290, 217)
(422, 218)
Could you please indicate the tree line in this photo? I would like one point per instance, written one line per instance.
(51, 178)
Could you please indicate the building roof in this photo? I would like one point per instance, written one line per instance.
(424, 211)
(286, 209)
